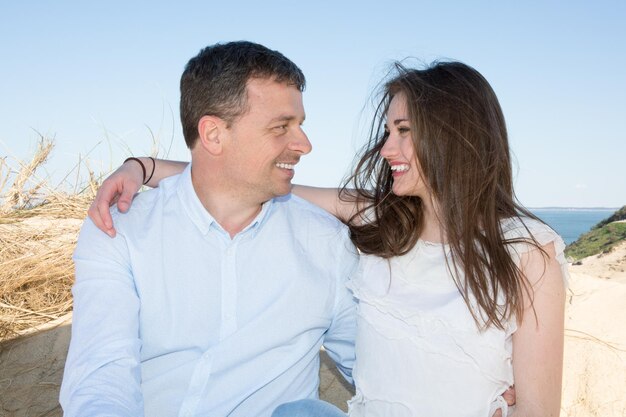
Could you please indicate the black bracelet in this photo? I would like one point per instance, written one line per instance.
(143, 168)
(152, 173)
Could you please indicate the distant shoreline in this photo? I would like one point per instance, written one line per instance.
(576, 208)
(573, 222)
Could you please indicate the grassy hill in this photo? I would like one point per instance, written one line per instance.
(601, 238)
(617, 216)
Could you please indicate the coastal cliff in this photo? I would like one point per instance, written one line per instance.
(601, 239)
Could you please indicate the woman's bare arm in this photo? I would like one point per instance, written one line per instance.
(328, 199)
(125, 182)
(538, 342)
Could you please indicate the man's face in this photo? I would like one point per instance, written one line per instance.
(266, 142)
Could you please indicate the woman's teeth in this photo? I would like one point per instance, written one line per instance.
(400, 168)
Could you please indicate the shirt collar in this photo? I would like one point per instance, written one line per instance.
(201, 217)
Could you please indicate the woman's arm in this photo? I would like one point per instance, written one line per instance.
(538, 342)
(122, 185)
(328, 199)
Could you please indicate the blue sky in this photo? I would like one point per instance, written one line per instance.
(102, 78)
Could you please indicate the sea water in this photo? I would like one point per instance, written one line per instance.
(570, 223)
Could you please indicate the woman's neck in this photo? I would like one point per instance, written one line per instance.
(431, 226)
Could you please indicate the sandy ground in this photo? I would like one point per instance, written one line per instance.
(31, 369)
(594, 379)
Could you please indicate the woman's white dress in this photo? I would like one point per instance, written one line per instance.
(418, 349)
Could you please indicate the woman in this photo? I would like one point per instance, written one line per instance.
(460, 289)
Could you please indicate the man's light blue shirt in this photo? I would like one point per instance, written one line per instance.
(172, 317)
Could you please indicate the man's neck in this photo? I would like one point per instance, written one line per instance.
(233, 211)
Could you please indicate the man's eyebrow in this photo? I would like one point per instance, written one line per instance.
(284, 118)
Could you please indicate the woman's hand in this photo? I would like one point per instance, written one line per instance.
(124, 183)
(119, 187)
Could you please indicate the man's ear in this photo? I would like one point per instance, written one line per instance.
(211, 131)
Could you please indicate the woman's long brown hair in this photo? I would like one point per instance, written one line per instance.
(461, 145)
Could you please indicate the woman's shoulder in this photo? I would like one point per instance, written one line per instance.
(526, 229)
(524, 234)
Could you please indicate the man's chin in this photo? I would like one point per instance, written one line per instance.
(282, 190)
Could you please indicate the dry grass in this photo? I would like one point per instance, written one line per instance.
(19, 195)
(38, 231)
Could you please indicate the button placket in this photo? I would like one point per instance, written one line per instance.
(229, 290)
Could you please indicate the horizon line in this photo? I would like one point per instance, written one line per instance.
(573, 208)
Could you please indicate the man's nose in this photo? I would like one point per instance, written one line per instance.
(300, 143)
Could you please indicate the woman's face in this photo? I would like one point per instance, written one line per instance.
(399, 151)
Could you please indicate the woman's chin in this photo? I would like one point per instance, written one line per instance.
(399, 192)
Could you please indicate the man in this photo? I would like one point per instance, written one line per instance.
(219, 288)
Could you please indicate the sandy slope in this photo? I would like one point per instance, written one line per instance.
(594, 380)
(31, 369)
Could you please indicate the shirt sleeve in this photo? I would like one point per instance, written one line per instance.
(102, 372)
(339, 339)
(518, 231)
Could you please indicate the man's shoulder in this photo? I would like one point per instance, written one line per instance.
(146, 201)
(142, 202)
(308, 212)
(324, 238)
